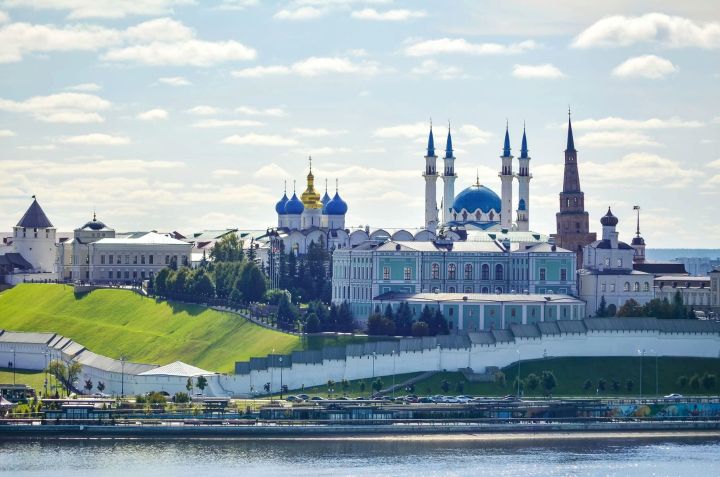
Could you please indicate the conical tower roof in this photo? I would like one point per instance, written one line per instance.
(35, 217)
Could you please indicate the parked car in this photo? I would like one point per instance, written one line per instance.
(673, 396)
(317, 398)
(304, 397)
(294, 399)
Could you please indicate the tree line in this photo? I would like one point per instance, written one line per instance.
(400, 322)
(660, 308)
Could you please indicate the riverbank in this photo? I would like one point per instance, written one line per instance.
(163, 429)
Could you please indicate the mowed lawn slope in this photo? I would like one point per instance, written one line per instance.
(115, 322)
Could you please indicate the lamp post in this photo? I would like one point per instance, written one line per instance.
(374, 357)
(123, 359)
(272, 372)
(13, 365)
(518, 375)
(45, 354)
(657, 384)
(281, 383)
(641, 352)
(393, 388)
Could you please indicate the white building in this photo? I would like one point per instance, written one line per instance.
(74, 255)
(608, 272)
(136, 257)
(695, 291)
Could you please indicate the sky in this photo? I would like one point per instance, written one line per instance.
(191, 115)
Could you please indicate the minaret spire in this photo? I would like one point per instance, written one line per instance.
(448, 145)
(637, 231)
(506, 180)
(506, 146)
(570, 139)
(431, 142)
(523, 147)
(337, 187)
(430, 175)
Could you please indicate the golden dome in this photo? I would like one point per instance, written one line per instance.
(310, 198)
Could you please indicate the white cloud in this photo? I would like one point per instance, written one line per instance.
(672, 31)
(237, 4)
(632, 124)
(471, 134)
(39, 147)
(546, 71)
(300, 14)
(4, 17)
(204, 110)
(388, 15)
(414, 130)
(96, 139)
(102, 8)
(616, 139)
(313, 66)
(715, 164)
(174, 81)
(323, 151)
(432, 67)
(189, 52)
(640, 170)
(225, 123)
(7, 133)
(250, 111)
(317, 132)
(253, 139)
(84, 87)
(270, 171)
(162, 41)
(225, 172)
(462, 46)
(152, 115)
(646, 66)
(60, 107)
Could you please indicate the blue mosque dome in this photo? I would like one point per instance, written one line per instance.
(294, 206)
(336, 206)
(477, 197)
(280, 206)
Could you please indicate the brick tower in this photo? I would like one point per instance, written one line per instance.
(573, 221)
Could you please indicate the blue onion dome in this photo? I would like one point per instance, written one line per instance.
(609, 220)
(94, 225)
(325, 200)
(294, 206)
(476, 197)
(336, 206)
(280, 206)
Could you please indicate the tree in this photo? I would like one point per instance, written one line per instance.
(100, 386)
(203, 285)
(88, 385)
(377, 385)
(379, 325)
(201, 383)
(615, 385)
(602, 384)
(587, 385)
(181, 398)
(532, 381)
(252, 283)
(403, 320)
(460, 387)
(345, 384)
(389, 312)
(227, 249)
(440, 324)
(518, 384)
(345, 320)
(708, 381)
(73, 371)
(549, 382)
(630, 308)
(602, 309)
(694, 382)
(419, 328)
(678, 308)
(330, 387)
(189, 385)
(629, 385)
(445, 385)
(312, 323)
(611, 310)
(266, 387)
(658, 308)
(500, 379)
(287, 312)
(691, 313)
(682, 381)
(362, 387)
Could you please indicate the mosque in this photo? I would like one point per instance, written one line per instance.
(477, 213)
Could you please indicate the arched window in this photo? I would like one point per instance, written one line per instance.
(492, 216)
(636, 287)
(451, 290)
(468, 271)
(619, 262)
(485, 272)
(485, 290)
(626, 287)
(478, 215)
(499, 290)
(435, 271)
(499, 272)
(451, 271)
(464, 215)
(646, 287)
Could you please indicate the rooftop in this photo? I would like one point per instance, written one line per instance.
(477, 297)
(147, 238)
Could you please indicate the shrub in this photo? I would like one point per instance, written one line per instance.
(181, 398)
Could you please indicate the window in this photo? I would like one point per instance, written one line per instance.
(468, 271)
(512, 312)
(607, 262)
(102, 259)
(636, 287)
(450, 312)
(435, 271)
(626, 287)
(612, 288)
(167, 259)
(542, 274)
(142, 259)
(468, 289)
(646, 287)
(127, 275)
(485, 290)
(407, 273)
(118, 274)
(151, 259)
(451, 290)
(127, 259)
(135, 275)
(110, 274)
(451, 271)
(386, 273)
(485, 271)
(563, 274)
(498, 272)
(619, 262)
(603, 288)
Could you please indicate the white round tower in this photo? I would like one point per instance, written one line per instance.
(34, 239)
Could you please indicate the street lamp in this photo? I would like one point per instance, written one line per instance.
(657, 385)
(45, 354)
(374, 357)
(641, 352)
(123, 359)
(281, 383)
(393, 388)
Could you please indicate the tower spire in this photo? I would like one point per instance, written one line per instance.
(570, 139)
(448, 145)
(506, 146)
(431, 142)
(477, 177)
(285, 186)
(326, 185)
(523, 147)
(637, 231)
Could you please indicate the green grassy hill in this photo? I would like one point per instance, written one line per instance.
(115, 322)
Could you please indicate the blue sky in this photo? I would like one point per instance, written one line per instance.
(188, 115)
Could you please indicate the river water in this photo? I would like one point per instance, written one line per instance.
(497, 455)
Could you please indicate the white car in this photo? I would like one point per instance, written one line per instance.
(673, 396)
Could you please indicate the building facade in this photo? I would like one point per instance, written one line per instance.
(135, 258)
(74, 255)
(695, 291)
(608, 272)
(443, 266)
